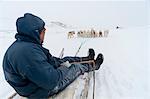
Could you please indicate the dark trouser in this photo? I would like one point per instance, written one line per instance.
(69, 74)
(73, 72)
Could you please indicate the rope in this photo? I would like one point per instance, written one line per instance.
(90, 61)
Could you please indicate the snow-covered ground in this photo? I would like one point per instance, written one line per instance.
(124, 73)
(5, 41)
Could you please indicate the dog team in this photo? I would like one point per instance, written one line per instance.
(88, 34)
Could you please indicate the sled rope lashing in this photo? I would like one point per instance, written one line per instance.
(90, 61)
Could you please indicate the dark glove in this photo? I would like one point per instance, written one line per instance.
(91, 55)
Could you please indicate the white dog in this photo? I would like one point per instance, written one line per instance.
(71, 34)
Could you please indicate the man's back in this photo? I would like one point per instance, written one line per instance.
(25, 64)
(16, 64)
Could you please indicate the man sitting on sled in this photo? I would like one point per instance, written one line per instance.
(32, 71)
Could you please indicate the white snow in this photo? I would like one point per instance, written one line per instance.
(5, 41)
(124, 73)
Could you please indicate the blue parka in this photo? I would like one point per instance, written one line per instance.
(28, 67)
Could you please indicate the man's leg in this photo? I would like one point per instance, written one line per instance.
(74, 71)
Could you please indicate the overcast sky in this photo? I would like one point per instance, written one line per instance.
(79, 13)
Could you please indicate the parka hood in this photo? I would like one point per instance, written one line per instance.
(29, 27)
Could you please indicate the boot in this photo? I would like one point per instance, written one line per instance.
(99, 60)
(91, 55)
